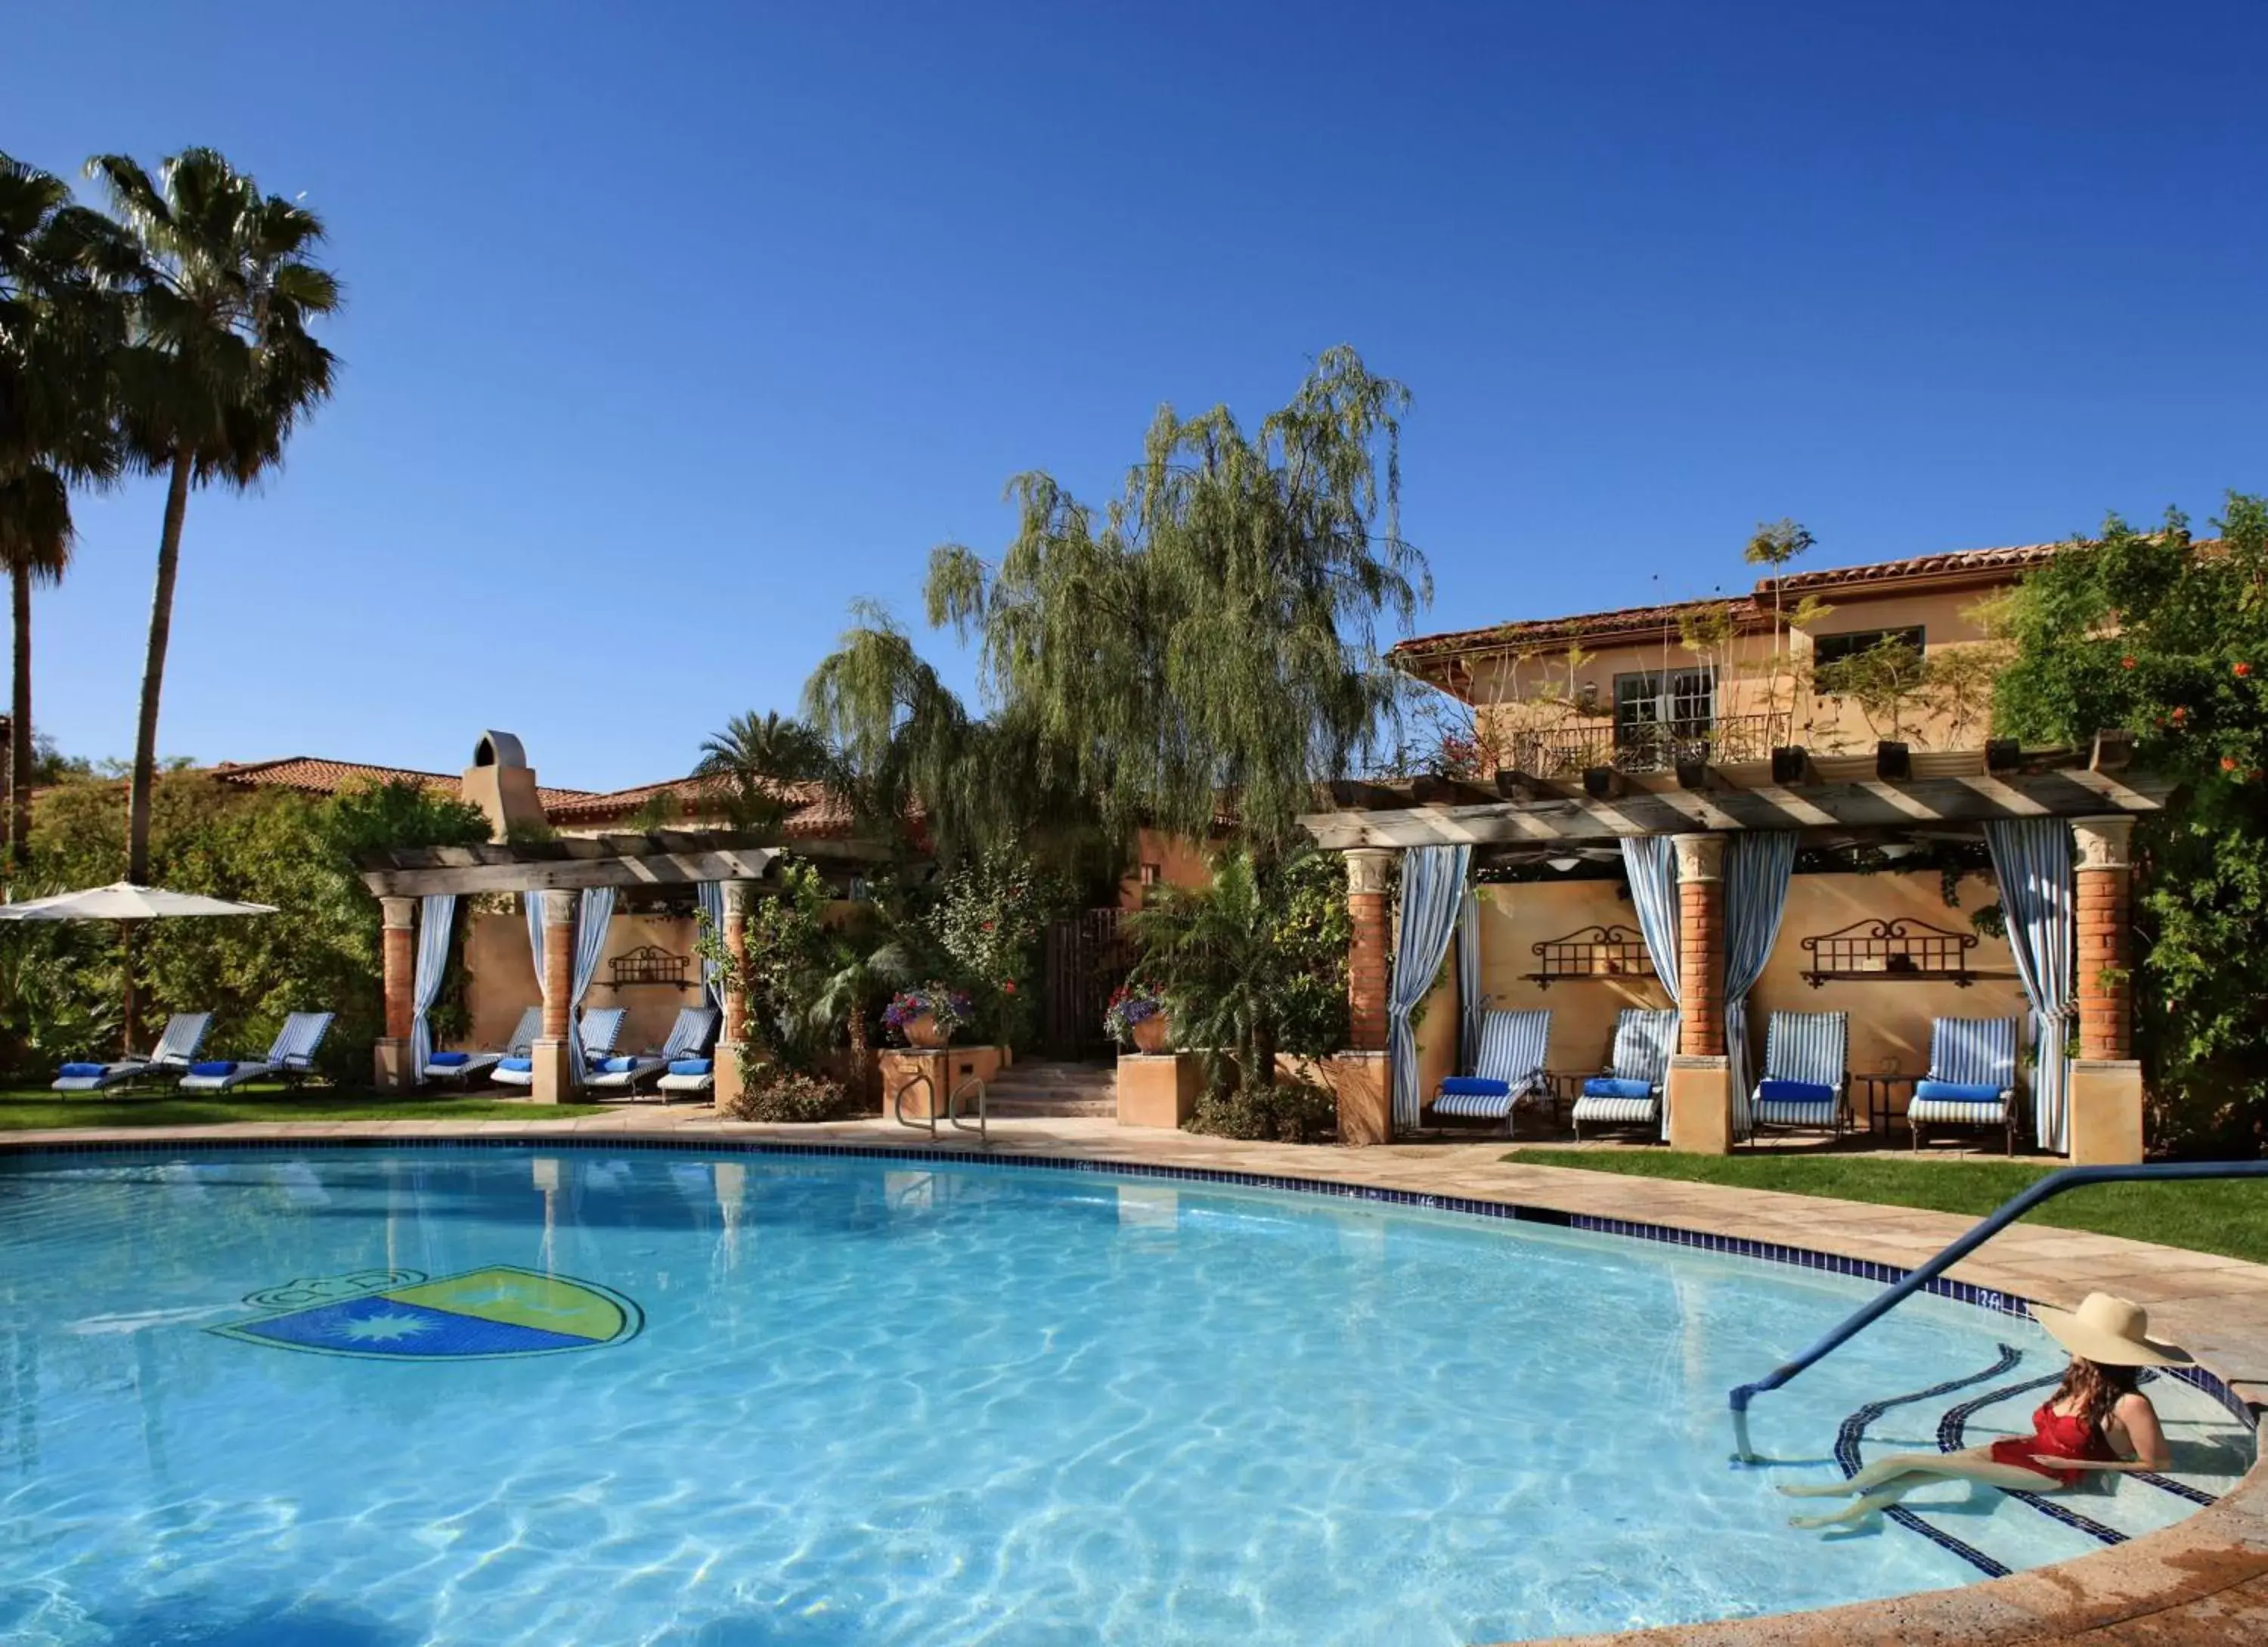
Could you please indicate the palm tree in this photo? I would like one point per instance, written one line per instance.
(1215, 955)
(57, 325)
(221, 369)
(755, 759)
(863, 968)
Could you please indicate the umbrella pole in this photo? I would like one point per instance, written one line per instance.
(125, 1030)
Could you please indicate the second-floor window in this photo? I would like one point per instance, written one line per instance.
(1827, 650)
(1657, 703)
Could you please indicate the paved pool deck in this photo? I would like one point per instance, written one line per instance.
(2203, 1580)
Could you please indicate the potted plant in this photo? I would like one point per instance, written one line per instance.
(928, 1013)
(1137, 1015)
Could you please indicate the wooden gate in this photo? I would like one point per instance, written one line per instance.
(1088, 955)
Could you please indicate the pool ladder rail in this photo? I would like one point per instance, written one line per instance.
(954, 1113)
(2055, 1183)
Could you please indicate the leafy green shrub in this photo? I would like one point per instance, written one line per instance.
(787, 1094)
(990, 920)
(61, 984)
(1291, 1112)
(2140, 630)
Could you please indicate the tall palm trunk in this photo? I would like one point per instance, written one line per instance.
(153, 670)
(19, 728)
(859, 1061)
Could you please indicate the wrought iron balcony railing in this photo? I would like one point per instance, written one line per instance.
(1576, 747)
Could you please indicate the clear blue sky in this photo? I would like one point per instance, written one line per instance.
(672, 329)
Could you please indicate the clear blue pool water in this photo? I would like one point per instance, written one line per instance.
(887, 1402)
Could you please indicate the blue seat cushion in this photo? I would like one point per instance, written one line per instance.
(1475, 1086)
(1959, 1091)
(1614, 1087)
(518, 1065)
(1771, 1091)
(690, 1066)
(449, 1060)
(618, 1065)
(82, 1071)
(216, 1066)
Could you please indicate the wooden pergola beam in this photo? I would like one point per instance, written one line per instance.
(1917, 802)
(568, 874)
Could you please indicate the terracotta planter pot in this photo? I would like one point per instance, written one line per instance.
(924, 1031)
(1154, 1034)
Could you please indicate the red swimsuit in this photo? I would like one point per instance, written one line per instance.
(2057, 1436)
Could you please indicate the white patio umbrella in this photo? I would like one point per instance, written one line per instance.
(124, 901)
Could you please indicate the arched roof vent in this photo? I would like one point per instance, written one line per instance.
(498, 749)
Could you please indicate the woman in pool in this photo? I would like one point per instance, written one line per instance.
(2096, 1419)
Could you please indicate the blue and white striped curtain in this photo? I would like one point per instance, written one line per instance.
(1757, 868)
(590, 919)
(1650, 865)
(2031, 860)
(436, 920)
(712, 976)
(1432, 891)
(1471, 1001)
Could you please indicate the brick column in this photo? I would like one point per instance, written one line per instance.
(397, 948)
(1370, 952)
(1701, 945)
(2105, 984)
(726, 1085)
(553, 1074)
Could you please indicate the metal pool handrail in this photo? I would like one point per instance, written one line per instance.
(2055, 1183)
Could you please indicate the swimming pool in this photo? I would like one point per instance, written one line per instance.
(586, 1397)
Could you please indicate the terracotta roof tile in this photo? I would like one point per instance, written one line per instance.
(1753, 608)
(314, 775)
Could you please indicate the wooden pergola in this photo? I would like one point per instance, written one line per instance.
(558, 870)
(1829, 802)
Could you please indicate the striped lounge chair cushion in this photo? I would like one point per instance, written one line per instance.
(1972, 1053)
(1644, 1040)
(1513, 1048)
(1811, 1047)
(1617, 1111)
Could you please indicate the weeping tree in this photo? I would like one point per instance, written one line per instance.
(1208, 637)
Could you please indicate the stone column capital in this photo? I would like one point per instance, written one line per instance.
(2105, 843)
(397, 914)
(1700, 857)
(559, 907)
(1370, 869)
(740, 897)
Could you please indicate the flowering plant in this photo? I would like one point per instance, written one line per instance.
(951, 1007)
(1130, 1004)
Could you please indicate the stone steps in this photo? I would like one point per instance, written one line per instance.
(1028, 1091)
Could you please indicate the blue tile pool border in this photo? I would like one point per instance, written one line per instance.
(1666, 1234)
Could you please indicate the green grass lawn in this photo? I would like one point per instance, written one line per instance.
(23, 1109)
(2216, 1215)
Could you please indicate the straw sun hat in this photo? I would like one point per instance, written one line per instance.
(2110, 1331)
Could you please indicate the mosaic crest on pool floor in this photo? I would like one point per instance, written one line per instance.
(402, 1315)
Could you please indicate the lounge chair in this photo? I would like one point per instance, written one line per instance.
(1637, 1068)
(1507, 1071)
(1806, 1075)
(694, 1078)
(176, 1050)
(689, 1039)
(459, 1068)
(1971, 1080)
(293, 1057)
(599, 1029)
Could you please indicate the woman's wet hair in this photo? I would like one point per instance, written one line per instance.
(2095, 1387)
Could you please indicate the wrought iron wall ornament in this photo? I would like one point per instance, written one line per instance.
(1901, 948)
(1591, 952)
(648, 963)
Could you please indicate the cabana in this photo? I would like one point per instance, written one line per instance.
(1708, 853)
(570, 886)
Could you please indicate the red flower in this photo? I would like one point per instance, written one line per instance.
(988, 926)
(2229, 763)
(2126, 663)
(1008, 989)
(2180, 714)
(2241, 669)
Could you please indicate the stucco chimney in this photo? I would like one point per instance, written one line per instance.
(502, 784)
